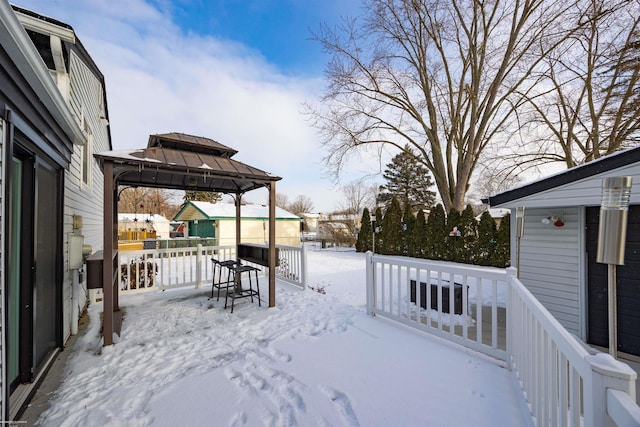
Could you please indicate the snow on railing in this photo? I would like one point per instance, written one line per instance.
(563, 383)
(159, 269)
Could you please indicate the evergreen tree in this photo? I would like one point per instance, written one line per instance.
(486, 242)
(408, 232)
(468, 228)
(365, 236)
(420, 238)
(408, 181)
(202, 196)
(436, 234)
(502, 253)
(391, 233)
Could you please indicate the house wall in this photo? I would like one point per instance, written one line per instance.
(84, 199)
(551, 262)
(257, 231)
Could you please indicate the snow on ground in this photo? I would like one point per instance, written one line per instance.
(314, 360)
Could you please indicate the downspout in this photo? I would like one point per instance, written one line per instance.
(75, 315)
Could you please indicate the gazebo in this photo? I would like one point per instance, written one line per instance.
(180, 162)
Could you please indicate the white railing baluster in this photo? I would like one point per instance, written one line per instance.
(479, 306)
(494, 313)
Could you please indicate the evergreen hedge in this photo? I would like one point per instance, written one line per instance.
(405, 234)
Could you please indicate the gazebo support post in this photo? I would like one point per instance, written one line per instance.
(107, 270)
(112, 318)
(272, 244)
(238, 222)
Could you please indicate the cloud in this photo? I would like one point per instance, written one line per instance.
(161, 79)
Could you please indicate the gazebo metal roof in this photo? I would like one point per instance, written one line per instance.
(185, 162)
(175, 161)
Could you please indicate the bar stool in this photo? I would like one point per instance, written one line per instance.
(218, 266)
(236, 289)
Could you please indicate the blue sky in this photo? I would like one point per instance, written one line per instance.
(234, 71)
(279, 29)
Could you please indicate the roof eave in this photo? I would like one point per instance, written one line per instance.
(596, 167)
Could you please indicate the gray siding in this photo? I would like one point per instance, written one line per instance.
(550, 263)
(87, 104)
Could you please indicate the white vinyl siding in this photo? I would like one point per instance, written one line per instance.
(87, 104)
(550, 263)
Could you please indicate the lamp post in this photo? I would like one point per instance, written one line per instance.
(455, 233)
(612, 231)
(519, 234)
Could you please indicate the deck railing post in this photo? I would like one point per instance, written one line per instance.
(606, 373)
(199, 266)
(303, 267)
(370, 283)
(512, 274)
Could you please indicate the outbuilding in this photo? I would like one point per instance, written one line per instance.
(130, 223)
(557, 256)
(217, 220)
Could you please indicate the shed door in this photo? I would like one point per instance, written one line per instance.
(628, 287)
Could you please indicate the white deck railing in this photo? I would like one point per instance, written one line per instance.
(563, 383)
(478, 305)
(159, 269)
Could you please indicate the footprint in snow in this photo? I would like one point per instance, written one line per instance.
(342, 403)
(238, 419)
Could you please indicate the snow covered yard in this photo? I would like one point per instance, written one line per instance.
(315, 359)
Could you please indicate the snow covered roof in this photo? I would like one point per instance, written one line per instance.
(228, 211)
(310, 215)
(497, 213)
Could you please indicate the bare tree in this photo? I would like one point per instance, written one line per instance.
(357, 196)
(301, 204)
(585, 107)
(491, 180)
(147, 200)
(282, 201)
(444, 77)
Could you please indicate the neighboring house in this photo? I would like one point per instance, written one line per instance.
(310, 222)
(558, 249)
(53, 117)
(351, 220)
(147, 222)
(496, 214)
(333, 231)
(218, 220)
